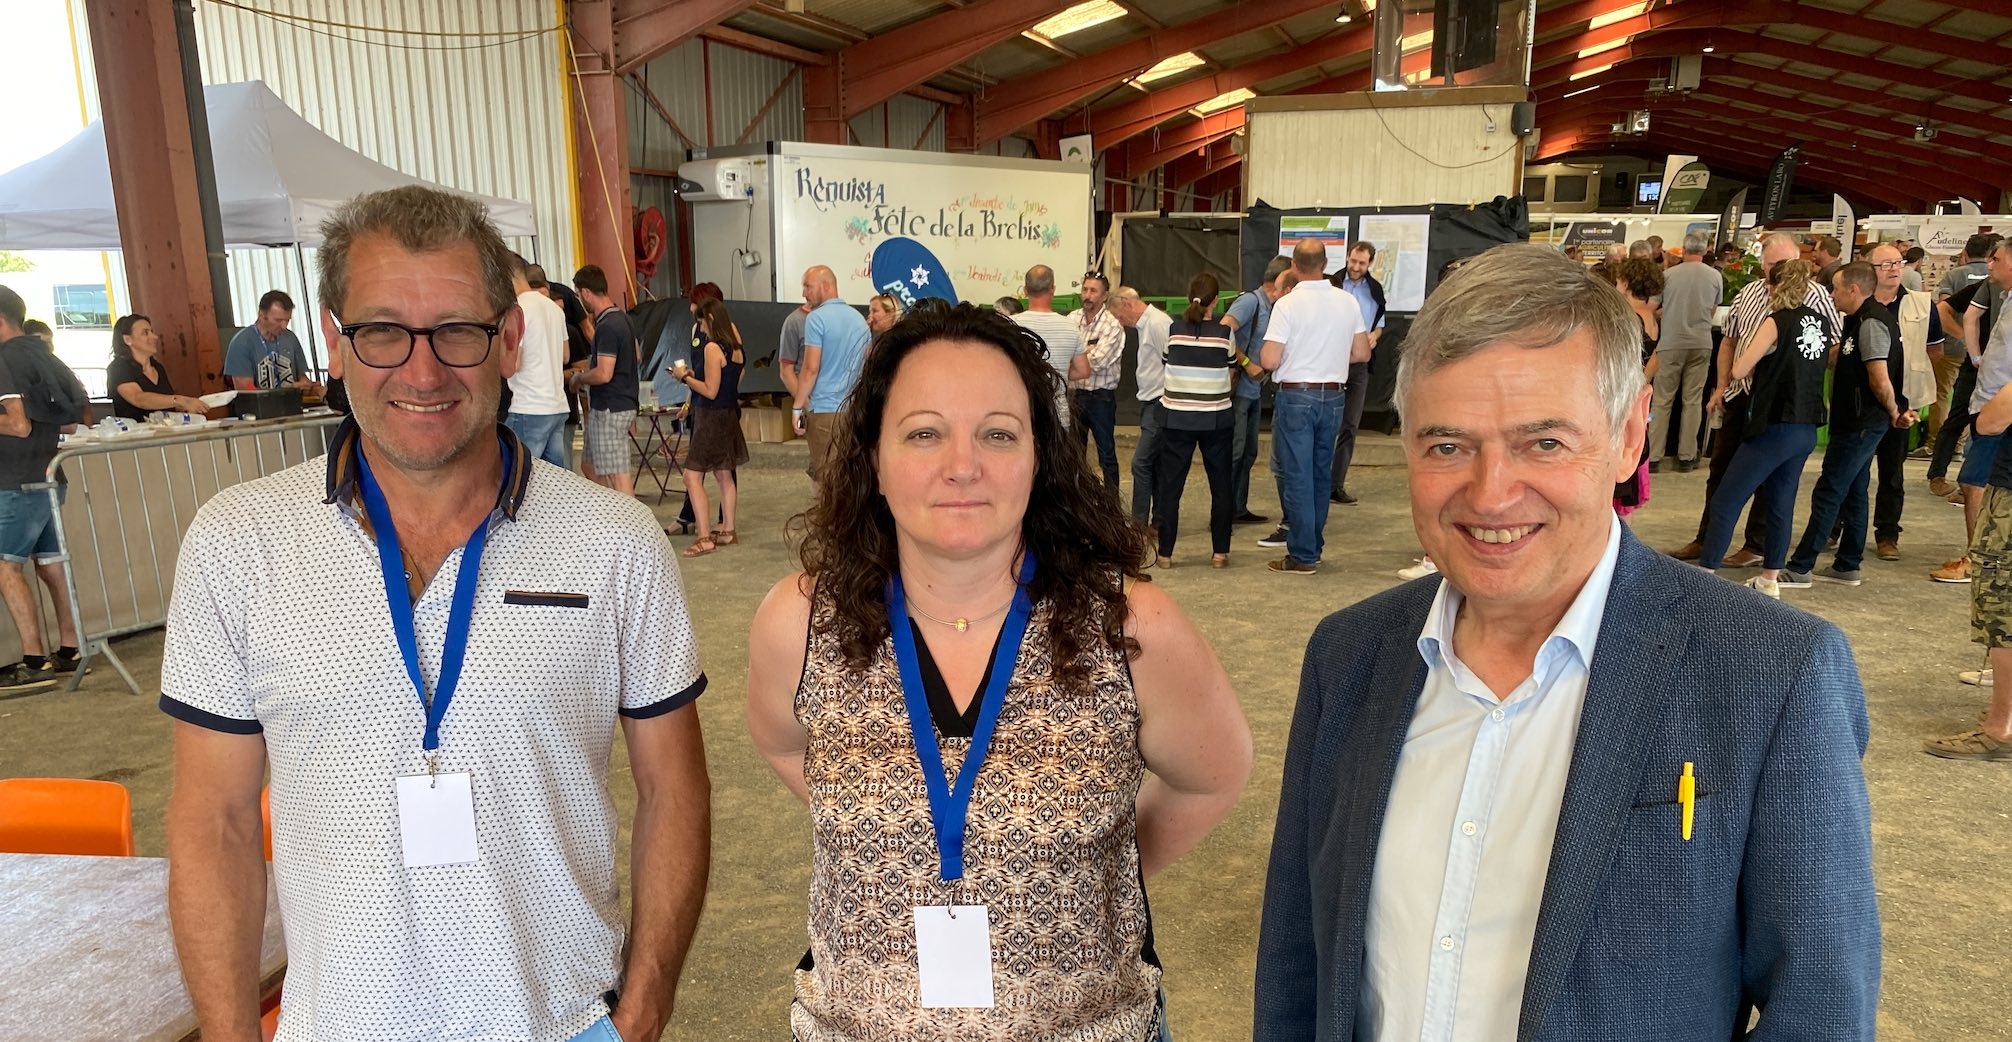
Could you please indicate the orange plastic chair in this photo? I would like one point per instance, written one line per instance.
(268, 1024)
(65, 816)
(265, 813)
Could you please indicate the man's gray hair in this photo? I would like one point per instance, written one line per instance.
(1040, 281)
(1531, 297)
(419, 219)
(1696, 243)
(1128, 295)
(1640, 248)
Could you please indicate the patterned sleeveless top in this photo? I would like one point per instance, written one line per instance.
(1051, 849)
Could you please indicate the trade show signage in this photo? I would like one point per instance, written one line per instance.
(978, 229)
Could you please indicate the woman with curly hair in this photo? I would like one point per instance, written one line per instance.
(1000, 731)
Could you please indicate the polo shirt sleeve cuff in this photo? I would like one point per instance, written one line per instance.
(670, 704)
(189, 714)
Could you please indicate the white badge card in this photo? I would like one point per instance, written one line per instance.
(953, 949)
(436, 819)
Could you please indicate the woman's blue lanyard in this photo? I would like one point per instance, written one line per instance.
(949, 806)
(396, 593)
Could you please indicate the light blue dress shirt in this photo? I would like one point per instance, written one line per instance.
(1359, 289)
(1467, 834)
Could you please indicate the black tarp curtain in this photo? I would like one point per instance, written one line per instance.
(1456, 232)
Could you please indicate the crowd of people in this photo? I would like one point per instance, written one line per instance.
(1000, 728)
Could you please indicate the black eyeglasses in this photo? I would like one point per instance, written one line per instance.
(387, 345)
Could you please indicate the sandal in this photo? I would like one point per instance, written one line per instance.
(1163, 562)
(725, 537)
(701, 547)
(1219, 561)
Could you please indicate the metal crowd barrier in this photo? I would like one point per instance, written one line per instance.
(128, 502)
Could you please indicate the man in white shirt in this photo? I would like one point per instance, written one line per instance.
(1058, 333)
(1537, 799)
(537, 389)
(436, 697)
(1316, 333)
(1154, 327)
(1104, 349)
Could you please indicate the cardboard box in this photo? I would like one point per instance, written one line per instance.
(776, 425)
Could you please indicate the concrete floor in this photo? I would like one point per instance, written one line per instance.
(1941, 828)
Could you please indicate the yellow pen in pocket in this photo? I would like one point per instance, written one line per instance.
(1687, 796)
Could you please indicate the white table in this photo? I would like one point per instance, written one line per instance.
(86, 953)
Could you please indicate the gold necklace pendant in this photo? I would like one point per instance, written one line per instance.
(963, 624)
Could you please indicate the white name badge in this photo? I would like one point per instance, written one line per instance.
(436, 819)
(953, 950)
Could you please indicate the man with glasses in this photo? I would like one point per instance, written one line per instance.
(613, 389)
(435, 696)
(1920, 332)
(1104, 347)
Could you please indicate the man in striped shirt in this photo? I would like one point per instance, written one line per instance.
(1097, 398)
(1749, 310)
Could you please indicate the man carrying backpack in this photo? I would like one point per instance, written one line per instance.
(38, 397)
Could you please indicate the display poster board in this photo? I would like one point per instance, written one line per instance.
(1402, 241)
(1331, 232)
(976, 226)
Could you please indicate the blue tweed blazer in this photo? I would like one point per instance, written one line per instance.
(1769, 908)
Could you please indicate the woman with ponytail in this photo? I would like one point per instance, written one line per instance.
(1782, 366)
(1201, 367)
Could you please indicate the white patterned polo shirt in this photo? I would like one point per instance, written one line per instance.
(278, 625)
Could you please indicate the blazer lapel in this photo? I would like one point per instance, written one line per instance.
(1369, 765)
(1625, 691)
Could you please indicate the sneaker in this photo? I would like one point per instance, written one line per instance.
(1275, 540)
(1830, 547)
(1291, 567)
(1248, 518)
(1690, 551)
(1685, 466)
(1975, 677)
(1741, 558)
(1941, 487)
(1922, 452)
(1956, 497)
(1957, 571)
(1769, 587)
(1887, 550)
(1793, 580)
(1342, 497)
(1834, 574)
(1420, 570)
(1970, 745)
(1655, 466)
(19, 678)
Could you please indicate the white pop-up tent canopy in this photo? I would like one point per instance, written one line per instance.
(277, 176)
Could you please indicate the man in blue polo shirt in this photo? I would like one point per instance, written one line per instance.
(1248, 317)
(835, 339)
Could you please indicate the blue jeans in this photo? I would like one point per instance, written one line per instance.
(1243, 450)
(1977, 460)
(1769, 463)
(1304, 425)
(1146, 459)
(543, 436)
(1840, 495)
(1100, 422)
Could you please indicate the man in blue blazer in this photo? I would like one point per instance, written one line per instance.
(1576, 790)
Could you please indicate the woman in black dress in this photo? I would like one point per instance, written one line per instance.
(137, 381)
(717, 443)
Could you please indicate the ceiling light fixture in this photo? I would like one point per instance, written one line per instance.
(1708, 48)
(1343, 18)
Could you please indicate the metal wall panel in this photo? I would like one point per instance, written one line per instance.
(914, 124)
(676, 78)
(869, 129)
(743, 82)
(482, 113)
(1394, 157)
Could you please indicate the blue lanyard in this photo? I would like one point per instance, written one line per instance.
(948, 806)
(461, 611)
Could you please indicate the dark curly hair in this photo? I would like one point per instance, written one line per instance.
(1084, 542)
(1642, 276)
